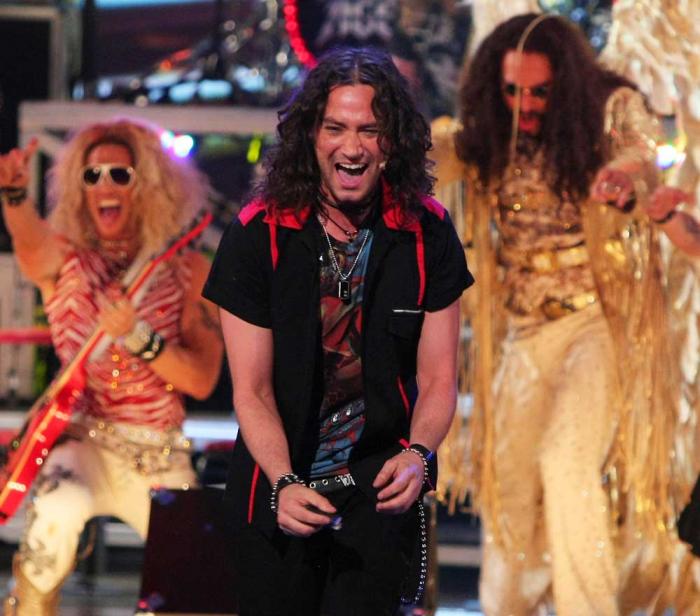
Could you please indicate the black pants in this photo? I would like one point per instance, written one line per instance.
(358, 570)
(689, 521)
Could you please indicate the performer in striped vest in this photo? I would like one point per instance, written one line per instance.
(116, 199)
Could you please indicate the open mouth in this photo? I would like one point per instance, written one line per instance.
(351, 175)
(354, 169)
(530, 119)
(109, 211)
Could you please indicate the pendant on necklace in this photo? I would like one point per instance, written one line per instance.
(344, 291)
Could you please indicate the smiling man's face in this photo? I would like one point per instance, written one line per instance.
(347, 145)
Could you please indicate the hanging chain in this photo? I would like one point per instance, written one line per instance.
(336, 266)
(423, 568)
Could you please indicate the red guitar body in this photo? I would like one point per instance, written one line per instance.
(46, 422)
(49, 416)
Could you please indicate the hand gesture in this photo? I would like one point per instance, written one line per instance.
(14, 166)
(400, 480)
(664, 200)
(301, 511)
(614, 187)
(117, 315)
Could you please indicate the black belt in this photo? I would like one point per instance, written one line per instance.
(323, 485)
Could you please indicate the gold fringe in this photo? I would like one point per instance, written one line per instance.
(648, 478)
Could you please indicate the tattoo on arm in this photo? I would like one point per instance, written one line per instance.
(691, 226)
(207, 320)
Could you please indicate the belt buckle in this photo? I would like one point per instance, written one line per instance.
(571, 257)
(554, 309)
(346, 480)
(544, 261)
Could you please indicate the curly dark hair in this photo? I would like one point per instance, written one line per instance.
(293, 178)
(572, 129)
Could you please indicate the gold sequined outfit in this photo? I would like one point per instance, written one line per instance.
(541, 248)
(571, 428)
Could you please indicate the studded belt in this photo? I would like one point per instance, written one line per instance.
(556, 308)
(145, 449)
(323, 485)
(546, 261)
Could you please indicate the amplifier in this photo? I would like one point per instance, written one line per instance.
(188, 558)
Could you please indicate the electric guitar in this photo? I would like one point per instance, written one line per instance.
(51, 413)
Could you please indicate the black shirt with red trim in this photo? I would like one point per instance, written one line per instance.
(267, 272)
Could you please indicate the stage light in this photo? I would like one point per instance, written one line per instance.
(182, 145)
(254, 148)
(104, 88)
(249, 79)
(166, 139)
(214, 89)
(183, 92)
(296, 40)
(667, 156)
(156, 95)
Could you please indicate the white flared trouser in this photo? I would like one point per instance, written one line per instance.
(81, 480)
(554, 426)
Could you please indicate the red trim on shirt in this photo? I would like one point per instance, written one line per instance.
(393, 214)
(404, 397)
(274, 250)
(288, 218)
(435, 207)
(250, 211)
(395, 217)
(420, 260)
(251, 498)
(284, 218)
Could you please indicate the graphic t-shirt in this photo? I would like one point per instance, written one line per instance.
(343, 407)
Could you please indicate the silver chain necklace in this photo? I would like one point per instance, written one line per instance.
(344, 290)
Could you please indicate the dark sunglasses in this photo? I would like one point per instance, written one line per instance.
(121, 175)
(541, 91)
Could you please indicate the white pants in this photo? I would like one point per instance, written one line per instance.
(80, 480)
(553, 430)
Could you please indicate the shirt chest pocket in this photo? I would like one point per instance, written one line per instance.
(406, 323)
(404, 329)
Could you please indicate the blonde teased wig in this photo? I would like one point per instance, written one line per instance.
(166, 193)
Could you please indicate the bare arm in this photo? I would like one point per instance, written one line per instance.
(39, 251)
(192, 366)
(681, 228)
(402, 475)
(250, 355)
(684, 231)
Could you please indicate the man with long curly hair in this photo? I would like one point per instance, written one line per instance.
(117, 197)
(339, 287)
(572, 376)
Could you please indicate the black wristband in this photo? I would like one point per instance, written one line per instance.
(661, 221)
(154, 347)
(426, 453)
